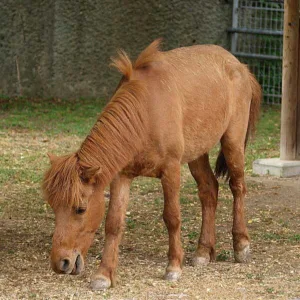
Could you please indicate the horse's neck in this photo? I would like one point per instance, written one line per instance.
(115, 139)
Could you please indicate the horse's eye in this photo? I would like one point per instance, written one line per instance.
(84, 179)
(80, 210)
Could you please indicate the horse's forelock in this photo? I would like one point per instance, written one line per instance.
(62, 185)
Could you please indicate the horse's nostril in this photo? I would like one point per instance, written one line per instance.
(64, 264)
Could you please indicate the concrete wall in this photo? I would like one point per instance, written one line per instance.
(62, 47)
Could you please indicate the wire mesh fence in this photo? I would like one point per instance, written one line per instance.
(257, 39)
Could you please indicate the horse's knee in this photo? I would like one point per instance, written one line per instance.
(113, 228)
(172, 221)
(238, 187)
(208, 192)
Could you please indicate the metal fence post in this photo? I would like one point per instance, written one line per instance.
(234, 25)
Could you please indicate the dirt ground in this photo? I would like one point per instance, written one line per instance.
(26, 225)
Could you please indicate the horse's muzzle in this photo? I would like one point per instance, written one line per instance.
(68, 265)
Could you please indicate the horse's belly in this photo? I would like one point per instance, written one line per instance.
(199, 145)
(202, 134)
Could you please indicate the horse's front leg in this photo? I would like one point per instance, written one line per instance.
(171, 186)
(104, 277)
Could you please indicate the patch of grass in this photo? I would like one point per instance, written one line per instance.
(295, 238)
(224, 255)
(145, 186)
(6, 175)
(284, 223)
(53, 116)
(280, 237)
(158, 201)
(272, 236)
(4, 97)
(19, 175)
(184, 200)
(185, 220)
(266, 142)
(259, 276)
(189, 187)
(270, 290)
(130, 223)
(193, 235)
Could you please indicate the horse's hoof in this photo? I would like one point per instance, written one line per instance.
(100, 282)
(172, 275)
(199, 261)
(242, 256)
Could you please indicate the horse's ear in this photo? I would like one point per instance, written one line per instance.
(88, 175)
(52, 157)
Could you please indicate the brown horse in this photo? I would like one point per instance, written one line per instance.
(170, 108)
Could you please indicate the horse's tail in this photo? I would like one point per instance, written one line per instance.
(221, 169)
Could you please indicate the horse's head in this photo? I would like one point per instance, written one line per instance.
(78, 203)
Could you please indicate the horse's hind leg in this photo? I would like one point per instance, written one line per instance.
(208, 194)
(233, 149)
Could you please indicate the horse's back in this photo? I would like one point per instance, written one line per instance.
(195, 91)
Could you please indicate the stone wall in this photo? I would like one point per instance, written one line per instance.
(62, 48)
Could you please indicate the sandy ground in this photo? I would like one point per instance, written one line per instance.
(26, 225)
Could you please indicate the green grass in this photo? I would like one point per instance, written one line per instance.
(52, 116)
(130, 223)
(19, 175)
(280, 237)
(224, 255)
(266, 142)
(193, 235)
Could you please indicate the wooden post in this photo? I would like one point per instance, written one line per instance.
(290, 79)
(298, 110)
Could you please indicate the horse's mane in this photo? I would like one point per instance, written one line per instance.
(126, 67)
(62, 182)
(118, 133)
(117, 136)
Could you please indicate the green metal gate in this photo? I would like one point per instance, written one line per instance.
(257, 40)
